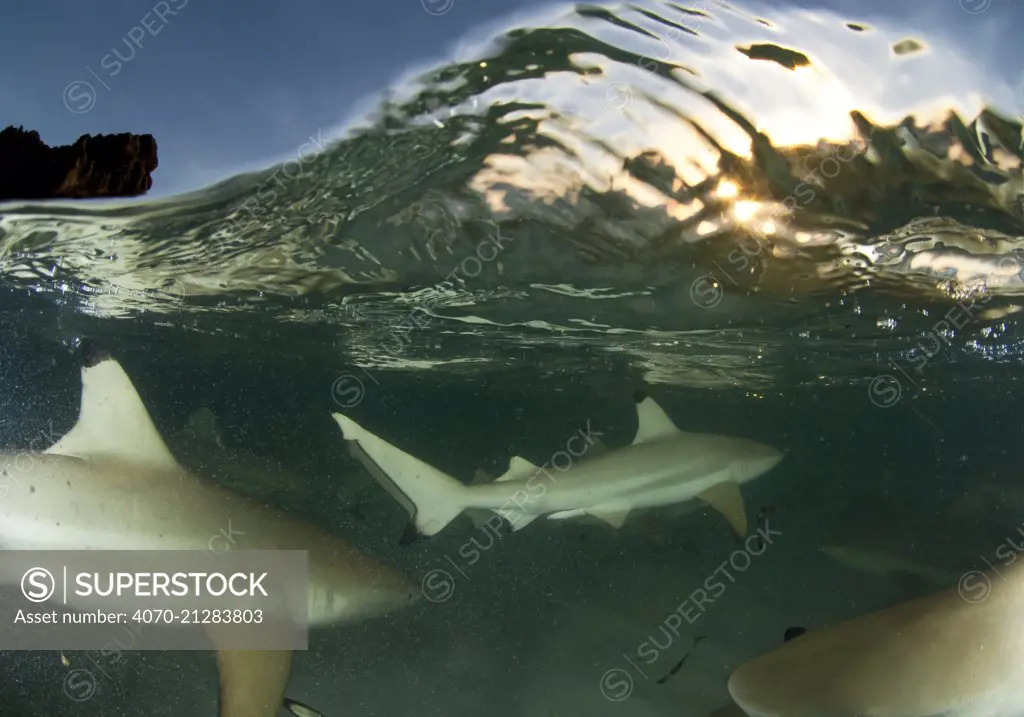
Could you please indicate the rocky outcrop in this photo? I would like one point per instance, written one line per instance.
(106, 165)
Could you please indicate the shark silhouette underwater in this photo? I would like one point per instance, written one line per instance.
(955, 653)
(662, 466)
(111, 483)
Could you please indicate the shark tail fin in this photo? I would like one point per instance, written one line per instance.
(432, 497)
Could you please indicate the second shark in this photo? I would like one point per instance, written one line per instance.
(662, 466)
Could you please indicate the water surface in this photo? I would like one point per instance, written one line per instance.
(790, 225)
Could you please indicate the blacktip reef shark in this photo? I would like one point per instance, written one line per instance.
(111, 483)
(662, 466)
(886, 564)
(955, 653)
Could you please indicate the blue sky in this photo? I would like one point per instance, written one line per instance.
(230, 85)
(219, 84)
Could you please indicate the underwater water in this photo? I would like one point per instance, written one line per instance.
(791, 226)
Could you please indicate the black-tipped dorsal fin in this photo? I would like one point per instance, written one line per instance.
(652, 422)
(112, 420)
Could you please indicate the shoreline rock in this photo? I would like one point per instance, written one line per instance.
(106, 165)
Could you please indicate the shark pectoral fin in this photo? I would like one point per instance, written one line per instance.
(566, 514)
(252, 682)
(112, 420)
(300, 710)
(651, 422)
(614, 517)
(726, 498)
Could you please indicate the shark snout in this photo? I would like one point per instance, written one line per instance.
(770, 458)
(758, 459)
(396, 592)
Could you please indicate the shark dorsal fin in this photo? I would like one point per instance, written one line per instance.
(652, 422)
(112, 420)
(517, 468)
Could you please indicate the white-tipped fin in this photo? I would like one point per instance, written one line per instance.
(652, 422)
(567, 514)
(726, 498)
(435, 498)
(613, 515)
(113, 422)
(300, 710)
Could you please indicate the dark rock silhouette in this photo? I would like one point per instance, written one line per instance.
(106, 165)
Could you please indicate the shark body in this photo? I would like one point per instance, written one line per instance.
(956, 653)
(885, 564)
(111, 483)
(662, 466)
